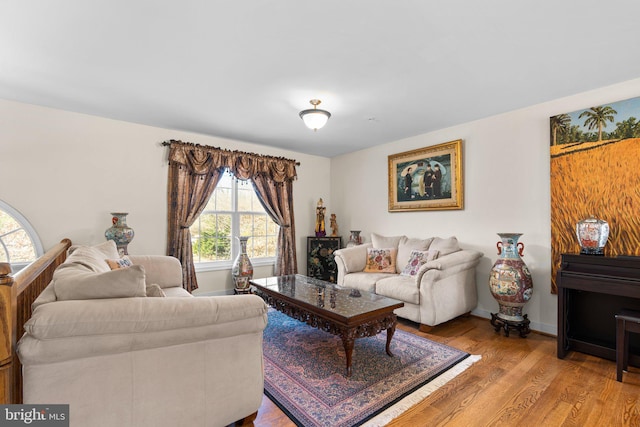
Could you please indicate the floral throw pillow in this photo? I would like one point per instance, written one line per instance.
(381, 260)
(123, 262)
(416, 260)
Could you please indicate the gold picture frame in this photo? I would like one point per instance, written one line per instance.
(426, 179)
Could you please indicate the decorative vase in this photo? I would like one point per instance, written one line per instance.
(510, 282)
(593, 234)
(242, 269)
(120, 232)
(354, 239)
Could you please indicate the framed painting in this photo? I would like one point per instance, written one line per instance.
(595, 171)
(426, 179)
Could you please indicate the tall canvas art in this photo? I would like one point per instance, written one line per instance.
(595, 171)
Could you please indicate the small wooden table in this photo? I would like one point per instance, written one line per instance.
(344, 312)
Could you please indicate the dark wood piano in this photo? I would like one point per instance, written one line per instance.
(591, 290)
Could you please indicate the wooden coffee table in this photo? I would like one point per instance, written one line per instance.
(348, 313)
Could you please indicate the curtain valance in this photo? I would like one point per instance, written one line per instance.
(203, 159)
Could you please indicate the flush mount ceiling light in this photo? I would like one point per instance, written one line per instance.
(314, 118)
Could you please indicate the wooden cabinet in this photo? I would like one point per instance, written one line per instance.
(591, 290)
(320, 258)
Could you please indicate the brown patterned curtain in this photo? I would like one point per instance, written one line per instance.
(277, 199)
(194, 172)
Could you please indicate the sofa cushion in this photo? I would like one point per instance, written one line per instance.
(74, 281)
(364, 281)
(405, 246)
(403, 288)
(117, 263)
(381, 260)
(381, 242)
(417, 259)
(445, 246)
(93, 257)
(139, 315)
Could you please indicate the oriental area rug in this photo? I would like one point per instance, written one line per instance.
(305, 374)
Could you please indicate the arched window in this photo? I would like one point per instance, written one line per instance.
(19, 242)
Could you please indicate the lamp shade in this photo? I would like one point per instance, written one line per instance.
(314, 118)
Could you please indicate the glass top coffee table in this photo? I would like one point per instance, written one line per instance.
(345, 312)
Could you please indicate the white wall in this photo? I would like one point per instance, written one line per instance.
(506, 189)
(65, 172)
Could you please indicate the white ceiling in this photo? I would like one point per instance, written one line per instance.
(243, 69)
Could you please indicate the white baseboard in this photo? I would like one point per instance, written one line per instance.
(534, 326)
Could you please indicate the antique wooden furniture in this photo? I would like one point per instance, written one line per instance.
(348, 313)
(16, 295)
(591, 291)
(320, 258)
(626, 321)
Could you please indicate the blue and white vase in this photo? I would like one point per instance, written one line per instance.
(120, 232)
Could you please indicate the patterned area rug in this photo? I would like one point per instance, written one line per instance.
(305, 374)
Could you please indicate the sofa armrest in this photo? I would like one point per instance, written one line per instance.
(451, 264)
(350, 260)
(165, 271)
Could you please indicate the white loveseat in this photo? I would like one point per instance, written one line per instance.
(118, 357)
(440, 290)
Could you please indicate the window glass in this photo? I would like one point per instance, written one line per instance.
(233, 210)
(19, 243)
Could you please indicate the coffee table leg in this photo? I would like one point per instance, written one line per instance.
(390, 333)
(347, 341)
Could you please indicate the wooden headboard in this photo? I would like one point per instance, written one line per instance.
(16, 296)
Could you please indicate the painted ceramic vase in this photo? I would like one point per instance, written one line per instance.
(354, 239)
(592, 234)
(120, 232)
(510, 282)
(242, 269)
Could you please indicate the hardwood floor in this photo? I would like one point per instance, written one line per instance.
(519, 382)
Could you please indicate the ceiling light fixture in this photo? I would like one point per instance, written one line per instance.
(314, 118)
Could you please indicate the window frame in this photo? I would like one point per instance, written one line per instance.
(28, 228)
(235, 232)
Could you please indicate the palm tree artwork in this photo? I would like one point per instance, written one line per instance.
(559, 124)
(597, 117)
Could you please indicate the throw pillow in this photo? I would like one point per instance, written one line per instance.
(381, 260)
(405, 247)
(445, 246)
(123, 262)
(73, 281)
(416, 260)
(154, 290)
(93, 257)
(381, 242)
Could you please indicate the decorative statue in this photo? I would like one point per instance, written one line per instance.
(320, 219)
(334, 225)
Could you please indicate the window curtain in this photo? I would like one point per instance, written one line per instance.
(194, 172)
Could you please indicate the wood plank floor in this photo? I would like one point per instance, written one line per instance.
(519, 382)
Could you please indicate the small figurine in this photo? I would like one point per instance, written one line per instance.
(334, 225)
(320, 231)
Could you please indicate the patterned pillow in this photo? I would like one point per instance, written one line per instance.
(381, 260)
(123, 262)
(416, 260)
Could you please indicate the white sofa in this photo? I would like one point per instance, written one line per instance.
(442, 288)
(95, 341)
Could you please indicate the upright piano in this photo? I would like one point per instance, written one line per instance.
(591, 290)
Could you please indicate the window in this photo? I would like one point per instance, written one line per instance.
(19, 243)
(233, 210)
